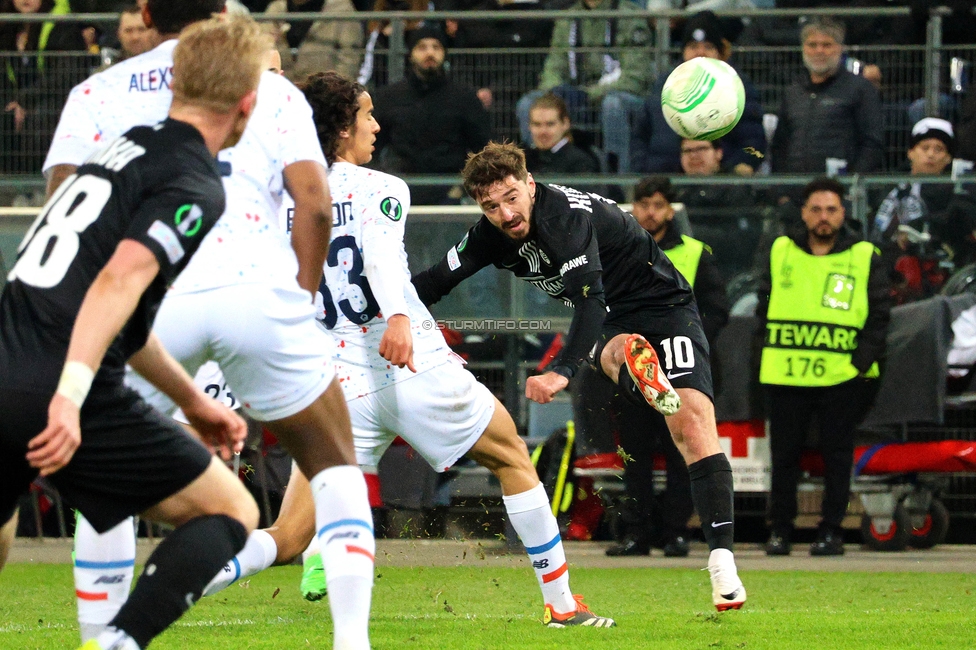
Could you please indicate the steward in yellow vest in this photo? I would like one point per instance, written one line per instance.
(823, 311)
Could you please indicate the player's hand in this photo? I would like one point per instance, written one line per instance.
(219, 427)
(396, 346)
(542, 388)
(52, 449)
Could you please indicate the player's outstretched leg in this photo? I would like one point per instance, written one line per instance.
(277, 544)
(502, 451)
(103, 568)
(213, 516)
(694, 432)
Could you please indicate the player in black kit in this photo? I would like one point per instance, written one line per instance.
(80, 303)
(631, 307)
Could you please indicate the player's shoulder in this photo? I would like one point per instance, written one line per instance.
(369, 184)
(151, 70)
(277, 91)
(169, 150)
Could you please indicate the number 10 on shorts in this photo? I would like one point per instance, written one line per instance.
(678, 353)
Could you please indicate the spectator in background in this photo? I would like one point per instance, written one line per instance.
(654, 146)
(823, 314)
(501, 76)
(664, 521)
(607, 83)
(722, 216)
(829, 113)
(134, 37)
(499, 33)
(312, 46)
(949, 216)
(33, 86)
(553, 150)
(374, 68)
(430, 124)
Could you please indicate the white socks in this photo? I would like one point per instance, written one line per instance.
(103, 566)
(113, 639)
(257, 555)
(344, 527)
(536, 526)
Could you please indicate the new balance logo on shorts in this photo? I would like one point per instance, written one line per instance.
(540, 564)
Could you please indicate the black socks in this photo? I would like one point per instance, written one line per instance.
(176, 574)
(711, 491)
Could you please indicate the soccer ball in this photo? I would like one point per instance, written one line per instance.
(703, 99)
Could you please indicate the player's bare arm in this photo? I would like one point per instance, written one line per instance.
(57, 175)
(308, 185)
(218, 426)
(108, 305)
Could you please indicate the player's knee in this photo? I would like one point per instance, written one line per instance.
(246, 512)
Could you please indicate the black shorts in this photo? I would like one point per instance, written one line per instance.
(677, 336)
(131, 457)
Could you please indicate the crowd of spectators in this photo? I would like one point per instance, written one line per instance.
(590, 105)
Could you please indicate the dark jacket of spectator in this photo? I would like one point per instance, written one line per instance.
(33, 86)
(726, 218)
(966, 128)
(564, 158)
(500, 33)
(713, 304)
(428, 127)
(21, 74)
(656, 148)
(839, 118)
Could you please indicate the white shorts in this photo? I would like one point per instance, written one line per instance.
(211, 381)
(441, 413)
(276, 358)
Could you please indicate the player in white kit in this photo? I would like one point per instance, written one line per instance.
(241, 305)
(397, 372)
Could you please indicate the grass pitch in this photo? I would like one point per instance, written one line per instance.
(476, 607)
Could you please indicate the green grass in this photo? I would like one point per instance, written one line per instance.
(500, 608)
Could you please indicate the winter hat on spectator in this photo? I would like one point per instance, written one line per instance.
(427, 30)
(934, 127)
(703, 27)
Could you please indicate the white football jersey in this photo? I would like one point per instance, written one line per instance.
(245, 246)
(369, 207)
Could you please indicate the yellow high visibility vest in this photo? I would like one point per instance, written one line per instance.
(686, 256)
(817, 306)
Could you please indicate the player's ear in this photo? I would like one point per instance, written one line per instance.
(531, 183)
(248, 102)
(147, 17)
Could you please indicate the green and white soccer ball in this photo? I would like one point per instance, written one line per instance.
(703, 99)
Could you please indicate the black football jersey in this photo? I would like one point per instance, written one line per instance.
(157, 185)
(582, 248)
